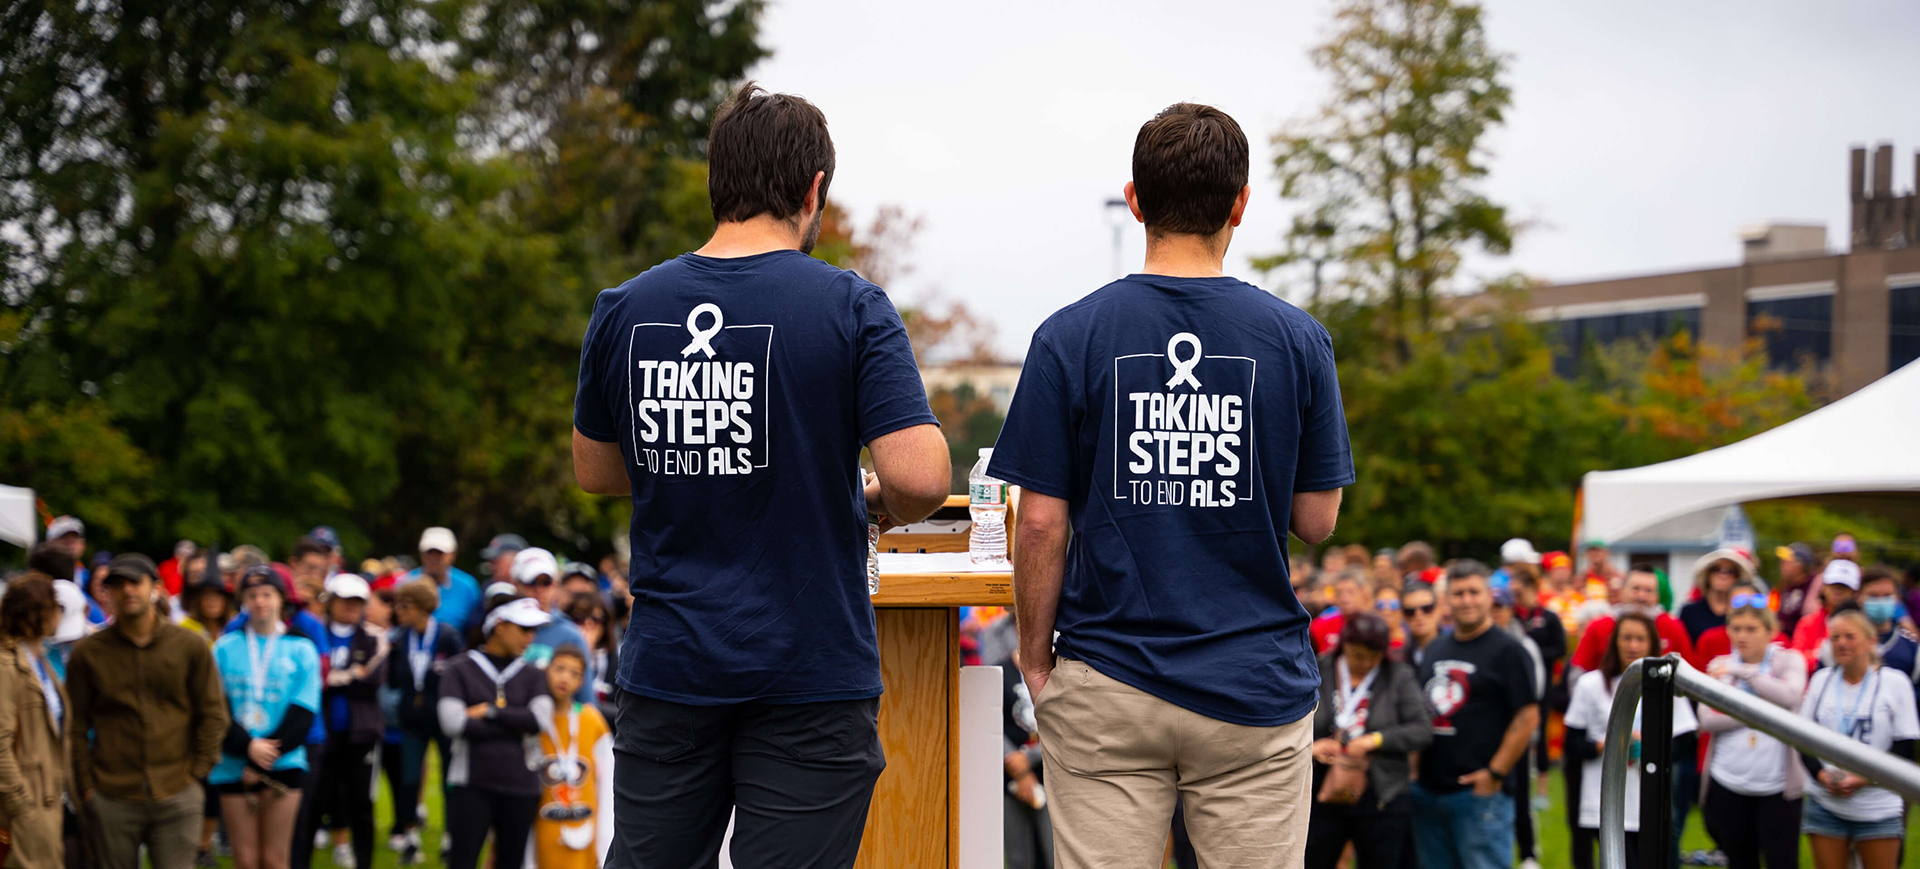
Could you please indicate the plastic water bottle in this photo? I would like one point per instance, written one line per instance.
(987, 500)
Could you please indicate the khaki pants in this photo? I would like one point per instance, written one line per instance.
(1117, 757)
(170, 829)
(37, 839)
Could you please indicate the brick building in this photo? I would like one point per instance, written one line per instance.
(1854, 315)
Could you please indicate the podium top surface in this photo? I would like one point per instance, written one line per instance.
(940, 579)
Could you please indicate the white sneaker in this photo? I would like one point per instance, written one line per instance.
(1529, 863)
(397, 842)
(343, 856)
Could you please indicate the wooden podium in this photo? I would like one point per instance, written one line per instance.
(913, 823)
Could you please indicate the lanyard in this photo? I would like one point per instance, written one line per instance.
(572, 753)
(259, 658)
(1766, 666)
(1351, 696)
(420, 654)
(1851, 720)
(47, 690)
(499, 678)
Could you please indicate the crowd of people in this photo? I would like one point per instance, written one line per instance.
(1164, 688)
(1449, 690)
(222, 703)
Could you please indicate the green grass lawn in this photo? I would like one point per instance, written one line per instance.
(1550, 827)
(1550, 830)
(383, 824)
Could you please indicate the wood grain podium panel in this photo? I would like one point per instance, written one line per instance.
(908, 825)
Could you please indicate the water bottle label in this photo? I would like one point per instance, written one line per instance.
(987, 494)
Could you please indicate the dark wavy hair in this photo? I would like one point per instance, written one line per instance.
(25, 607)
(1613, 665)
(1366, 630)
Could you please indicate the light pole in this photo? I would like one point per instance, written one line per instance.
(1118, 220)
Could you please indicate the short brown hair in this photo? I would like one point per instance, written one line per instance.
(25, 606)
(1189, 165)
(569, 650)
(762, 154)
(422, 594)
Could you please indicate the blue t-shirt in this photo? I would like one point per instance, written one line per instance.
(339, 716)
(459, 599)
(740, 392)
(1177, 417)
(292, 678)
(555, 634)
(303, 625)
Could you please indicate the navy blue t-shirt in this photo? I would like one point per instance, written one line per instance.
(1178, 416)
(741, 392)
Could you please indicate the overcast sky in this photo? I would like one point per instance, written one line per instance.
(1642, 134)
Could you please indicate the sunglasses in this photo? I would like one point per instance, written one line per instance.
(1755, 600)
(1386, 605)
(1424, 610)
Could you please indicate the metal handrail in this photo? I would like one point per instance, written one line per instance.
(1886, 770)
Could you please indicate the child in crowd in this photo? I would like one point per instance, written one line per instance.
(575, 824)
(422, 645)
(357, 667)
(494, 704)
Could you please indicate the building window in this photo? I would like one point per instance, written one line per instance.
(1903, 326)
(1795, 330)
(1580, 336)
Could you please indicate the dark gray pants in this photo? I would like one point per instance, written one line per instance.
(170, 829)
(798, 778)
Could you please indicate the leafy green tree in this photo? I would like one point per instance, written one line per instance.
(607, 103)
(1388, 170)
(286, 265)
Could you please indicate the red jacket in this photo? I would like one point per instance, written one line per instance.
(1325, 631)
(1593, 643)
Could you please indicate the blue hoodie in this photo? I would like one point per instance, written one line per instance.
(554, 634)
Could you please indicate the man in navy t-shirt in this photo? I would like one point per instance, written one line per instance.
(1179, 423)
(730, 391)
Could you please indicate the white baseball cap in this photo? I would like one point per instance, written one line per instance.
(498, 588)
(525, 612)
(438, 538)
(347, 586)
(73, 611)
(62, 526)
(1840, 572)
(1519, 550)
(531, 564)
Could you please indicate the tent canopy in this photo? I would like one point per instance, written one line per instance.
(1861, 451)
(19, 524)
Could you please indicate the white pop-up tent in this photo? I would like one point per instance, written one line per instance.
(1862, 451)
(19, 524)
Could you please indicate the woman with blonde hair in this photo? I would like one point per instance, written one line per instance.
(1750, 798)
(1873, 705)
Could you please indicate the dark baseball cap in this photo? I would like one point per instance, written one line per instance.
(502, 544)
(259, 575)
(325, 536)
(130, 566)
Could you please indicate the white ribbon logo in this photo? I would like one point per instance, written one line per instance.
(703, 338)
(1183, 368)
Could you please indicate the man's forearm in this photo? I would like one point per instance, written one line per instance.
(1514, 743)
(1039, 568)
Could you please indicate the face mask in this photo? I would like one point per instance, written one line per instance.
(1880, 610)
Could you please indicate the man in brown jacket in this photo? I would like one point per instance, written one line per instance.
(148, 693)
